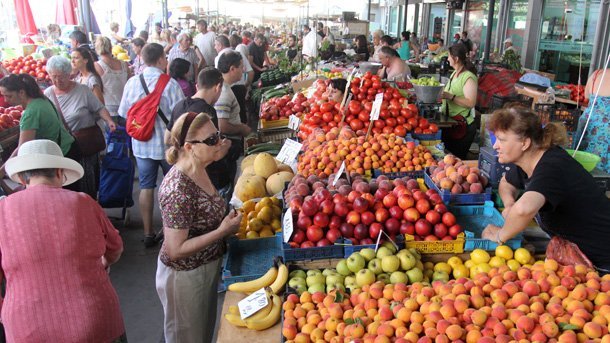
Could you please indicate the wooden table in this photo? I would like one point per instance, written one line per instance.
(230, 334)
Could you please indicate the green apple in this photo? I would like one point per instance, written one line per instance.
(399, 277)
(349, 280)
(415, 253)
(351, 287)
(375, 266)
(315, 279)
(428, 273)
(407, 261)
(383, 277)
(337, 286)
(319, 287)
(327, 272)
(415, 275)
(297, 272)
(367, 253)
(390, 246)
(335, 279)
(355, 262)
(342, 268)
(313, 272)
(300, 288)
(390, 263)
(419, 265)
(365, 277)
(383, 251)
(440, 275)
(297, 281)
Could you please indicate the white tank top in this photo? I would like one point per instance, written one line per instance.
(114, 83)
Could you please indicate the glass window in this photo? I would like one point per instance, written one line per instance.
(456, 25)
(477, 24)
(566, 41)
(517, 16)
(438, 13)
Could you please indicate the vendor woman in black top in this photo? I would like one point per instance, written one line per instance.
(559, 193)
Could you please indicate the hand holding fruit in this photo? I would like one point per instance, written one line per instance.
(230, 224)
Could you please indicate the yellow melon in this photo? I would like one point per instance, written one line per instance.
(276, 182)
(264, 165)
(250, 187)
(284, 167)
(248, 161)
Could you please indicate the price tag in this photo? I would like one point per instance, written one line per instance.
(289, 151)
(339, 173)
(294, 122)
(287, 225)
(253, 303)
(376, 108)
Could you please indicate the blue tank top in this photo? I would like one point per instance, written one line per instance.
(404, 51)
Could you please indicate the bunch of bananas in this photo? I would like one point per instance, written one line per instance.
(261, 320)
(261, 219)
(275, 278)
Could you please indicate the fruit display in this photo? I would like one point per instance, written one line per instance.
(262, 175)
(361, 210)
(283, 107)
(261, 218)
(543, 302)
(451, 174)
(426, 81)
(360, 269)
(261, 320)
(120, 53)
(10, 116)
(387, 152)
(577, 92)
(28, 65)
(275, 279)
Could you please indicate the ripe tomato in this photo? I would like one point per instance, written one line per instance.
(413, 108)
(390, 122)
(380, 124)
(413, 122)
(355, 90)
(376, 130)
(394, 112)
(423, 123)
(327, 107)
(356, 124)
(337, 118)
(433, 127)
(367, 82)
(361, 96)
(387, 96)
(356, 81)
(418, 130)
(364, 116)
(376, 84)
(383, 114)
(400, 131)
(354, 107)
(368, 75)
(376, 78)
(388, 129)
(327, 117)
(400, 120)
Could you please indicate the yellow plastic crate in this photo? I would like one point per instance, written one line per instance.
(436, 247)
(273, 124)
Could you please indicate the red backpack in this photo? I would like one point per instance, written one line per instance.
(141, 116)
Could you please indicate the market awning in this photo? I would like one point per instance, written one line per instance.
(25, 19)
(65, 12)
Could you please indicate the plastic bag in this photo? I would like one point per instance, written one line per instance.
(566, 253)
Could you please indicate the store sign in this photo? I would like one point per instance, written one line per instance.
(287, 225)
(339, 173)
(376, 108)
(294, 122)
(253, 303)
(289, 152)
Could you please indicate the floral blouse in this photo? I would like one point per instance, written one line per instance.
(185, 206)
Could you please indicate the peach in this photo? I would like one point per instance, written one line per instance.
(460, 305)
(385, 330)
(289, 332)
(416, 328)
(448, 311)
(550, 329)
(531, 288)
(577, 321)
(511, 288)
(499, 311)
(385, 313)
(574, 305)
(478, 318)
(579, 292)
(499, 296)
(538, 337)
(554, 280)
(400, 331)
(431, 332)
(302, 338)
(524, 273)
(473, 336)
(454, 332)
(520, 298)
(477, 301)
(329, 336)
(526, 324)
(335, 310)
(568, 282)
(555, 309)
(442, 326)
(568, 337)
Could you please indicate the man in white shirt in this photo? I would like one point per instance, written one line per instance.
(311, 42)
(205, 42)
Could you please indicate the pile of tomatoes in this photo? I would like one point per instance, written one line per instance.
(27, 65)
(10, 116)
(577, 92)
(394, 117)
(283, 107)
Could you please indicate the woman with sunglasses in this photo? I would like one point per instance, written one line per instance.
(194, 228)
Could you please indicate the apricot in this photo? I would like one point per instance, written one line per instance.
(526, 324)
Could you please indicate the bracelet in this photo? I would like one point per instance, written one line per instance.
(453, 97)
(498, 240)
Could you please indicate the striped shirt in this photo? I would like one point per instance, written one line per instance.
(155, 147)
(189, 55)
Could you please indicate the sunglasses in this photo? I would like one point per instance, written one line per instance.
(210, 141)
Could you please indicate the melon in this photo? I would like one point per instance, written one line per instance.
(264, 165)
(276, 182)
(249, 170)
(250, 187)
(284, 167)
(248, 161)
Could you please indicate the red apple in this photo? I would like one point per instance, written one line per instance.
(347, 230)
(324, 242)
(436, 199)
(362, 187)
(449, 219)
(448, 238)
(455, 230)
(341, 209)
(390, 200)
(353, 195)
(381, 215)
(401, 190)
(423, 227)
(392, 226)
(361, 231)
(307, 244)
(327, 206)
(440, 230)
(309, 207)
(412, 184)
(374, 230)
(361, 205)
(418, 195)
(380, 194)
(321, 194)
(431, 238)
(407, 228)
(298, 236)
(411, 214)
(366, 241)
(405, 201)
(422, 206)
(303, 222)
(339, 198)
(314, 233)
(367, 218)
(430, 192)
(335, 222)
(396, 212)
(296, 204)
(353, 218)
(332, 235)
(321, 219)
(440, 208)
(433, 217)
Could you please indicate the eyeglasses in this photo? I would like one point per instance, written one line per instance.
(210, 141)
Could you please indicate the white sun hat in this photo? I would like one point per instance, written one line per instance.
(43, 154)
(508, 40)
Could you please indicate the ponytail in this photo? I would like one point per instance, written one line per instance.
(22, 82)
(460, 52)
(554, 133)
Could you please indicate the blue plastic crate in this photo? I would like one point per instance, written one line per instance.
(249, 259)
(474, 219)
(428, 137)
(458, 199)
(490, 167)
(304, 254)
(349, 249)
(416, 174)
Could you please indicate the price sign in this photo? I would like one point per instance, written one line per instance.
(376, 108)
(339, 173)
(289, 151)
(294, 122)
(287, 225)
(253, 303)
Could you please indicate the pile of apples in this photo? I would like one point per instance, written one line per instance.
(10, 116)
(451, 174)
(361, 210)
(543, 302)
(362, 268)
(283, 107)
(325, 152)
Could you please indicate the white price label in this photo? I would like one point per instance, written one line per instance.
(253, 303)
(376, 108)
(287, 225)
(289, 151)
(294, 122)
(339, 173)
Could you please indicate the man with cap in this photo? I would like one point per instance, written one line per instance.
(508, 45)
